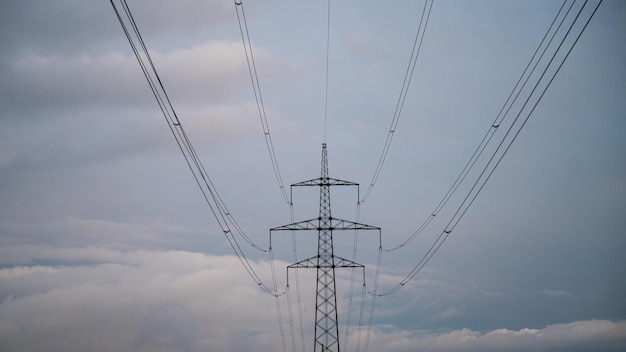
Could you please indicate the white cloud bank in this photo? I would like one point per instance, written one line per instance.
(185, 301)
(590, 335)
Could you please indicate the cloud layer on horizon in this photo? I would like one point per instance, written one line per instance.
(186, 301)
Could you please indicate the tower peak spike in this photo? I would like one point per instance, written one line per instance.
(324, 161)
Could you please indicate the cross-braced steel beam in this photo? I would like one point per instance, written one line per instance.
(326, 323)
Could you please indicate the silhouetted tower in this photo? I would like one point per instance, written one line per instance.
(326, 323)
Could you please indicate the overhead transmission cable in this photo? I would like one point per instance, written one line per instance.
(256, 87)
(408, 75)
(491, 130)
(363, 292)
(352, 277)
(212, 198)
(374, 294)
(416, 48)
(486, 175)
(298, 292)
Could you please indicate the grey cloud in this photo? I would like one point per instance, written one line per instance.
(591, 335)
(211, 72)
(68, 27)
(65, 26)
(176, 300)
(121, 304)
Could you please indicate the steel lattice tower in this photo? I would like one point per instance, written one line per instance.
(326, 323)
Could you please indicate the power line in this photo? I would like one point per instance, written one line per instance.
(216, 204)
(245, 36)
(198, 171)
(351, 293)
(278, 311)
(374, 294)
(363, 291)
(417, 44)
(298, 296)
(473, 193)
(408, 75)
(491, 130)
(256, 87)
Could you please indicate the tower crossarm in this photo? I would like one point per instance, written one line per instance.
(312, 263)
(304, 264)
(325, 182)
(328, 181)
(311, 224)
(346, 263)
(341, 224)
(335, 224)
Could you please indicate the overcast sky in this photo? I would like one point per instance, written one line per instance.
(106, 243)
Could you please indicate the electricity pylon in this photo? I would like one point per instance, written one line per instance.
(326, 323)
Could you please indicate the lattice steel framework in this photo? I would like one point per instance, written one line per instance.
(326, 323)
